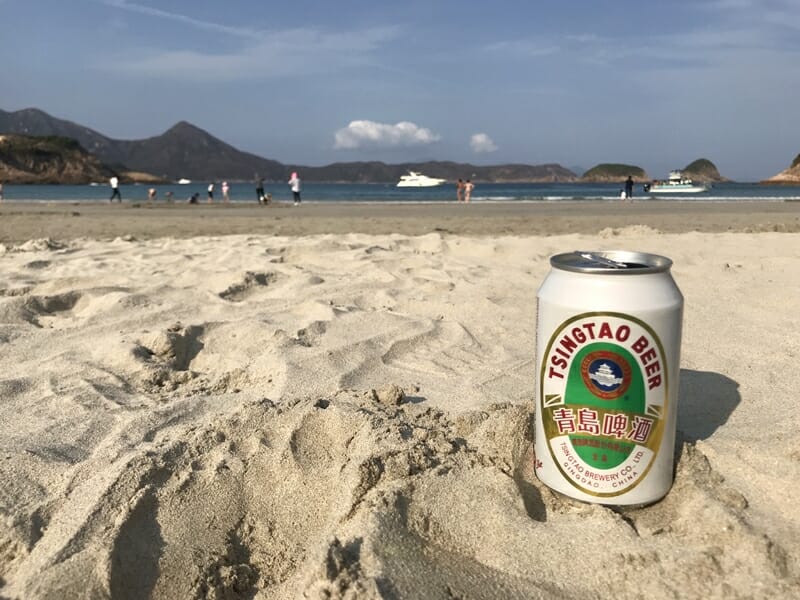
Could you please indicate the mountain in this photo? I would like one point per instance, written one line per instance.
(703, 170)
(790, 176)
(182, 151)
(187, 151)
(32, 121)
(614, 173)
(49, 159)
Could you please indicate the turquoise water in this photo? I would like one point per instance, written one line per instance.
(377, 193)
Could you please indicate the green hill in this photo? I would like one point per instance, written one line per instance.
(49, 159)
(614, 172)
(703, 170)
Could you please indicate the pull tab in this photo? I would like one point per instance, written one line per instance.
(601, 260)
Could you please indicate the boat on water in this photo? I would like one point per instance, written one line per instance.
(184, 181)
(414, 179)
(676, 183)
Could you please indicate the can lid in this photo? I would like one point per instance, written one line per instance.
(611, 262)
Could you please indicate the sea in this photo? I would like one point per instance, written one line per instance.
(378, 193)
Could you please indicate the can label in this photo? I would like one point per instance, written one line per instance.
(603, 401)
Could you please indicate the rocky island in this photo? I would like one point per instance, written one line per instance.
(701, 170)
(790, 176)
(614, 173)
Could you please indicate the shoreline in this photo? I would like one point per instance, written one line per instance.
(21, 221)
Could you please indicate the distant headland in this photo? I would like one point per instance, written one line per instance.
(790, 176)
(71, 153)
(48, 159)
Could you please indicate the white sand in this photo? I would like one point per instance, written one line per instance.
(215, 418)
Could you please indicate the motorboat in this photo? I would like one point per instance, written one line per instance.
(414, 179)
(676, 183)
(184, 181)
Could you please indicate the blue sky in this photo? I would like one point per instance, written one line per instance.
(655, 84)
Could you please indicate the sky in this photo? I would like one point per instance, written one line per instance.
(574, 82)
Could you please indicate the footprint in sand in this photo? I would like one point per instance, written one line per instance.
(238, 292)
(168, 356)
(38, 264)
(42, 311)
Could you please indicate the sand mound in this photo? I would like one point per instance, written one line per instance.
(346, 496)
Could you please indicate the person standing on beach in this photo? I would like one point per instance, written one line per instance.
(260, 189)
(115, 193)
(294, 183)
(459, 190)
(210, 192)
(1, 191)
(151, 195)
(468, 187)
(629, 188)
(226, 192)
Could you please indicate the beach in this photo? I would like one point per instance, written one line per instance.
(335, 401)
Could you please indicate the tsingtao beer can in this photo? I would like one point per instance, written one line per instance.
(608, 358)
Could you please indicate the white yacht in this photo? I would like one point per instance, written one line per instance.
(675, 184)
(414, 179)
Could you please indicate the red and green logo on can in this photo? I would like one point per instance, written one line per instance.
(603, 391)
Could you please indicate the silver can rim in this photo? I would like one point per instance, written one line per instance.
(611, 262)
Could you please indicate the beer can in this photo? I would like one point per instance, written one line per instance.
(608, 360)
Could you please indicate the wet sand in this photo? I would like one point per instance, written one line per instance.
(23, 221)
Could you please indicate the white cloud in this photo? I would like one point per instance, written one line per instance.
(523, 48)
(186, 19)
(261, 54)
(277, 54)
(480, 142)
(360, 134)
